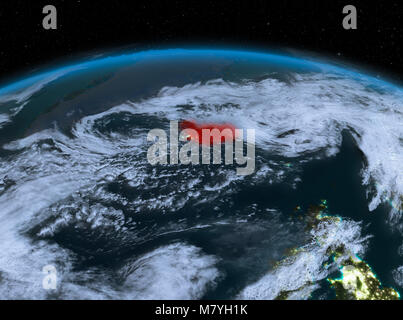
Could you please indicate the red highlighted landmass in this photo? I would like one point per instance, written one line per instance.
(226, 132)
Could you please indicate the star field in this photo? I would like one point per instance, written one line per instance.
(313, 26)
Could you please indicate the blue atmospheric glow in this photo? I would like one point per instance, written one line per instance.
(127, 58)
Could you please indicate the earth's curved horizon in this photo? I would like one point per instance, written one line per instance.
(319, 219)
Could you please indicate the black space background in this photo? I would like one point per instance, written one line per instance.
(87, 26)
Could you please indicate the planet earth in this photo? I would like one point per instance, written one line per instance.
(84, 215)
